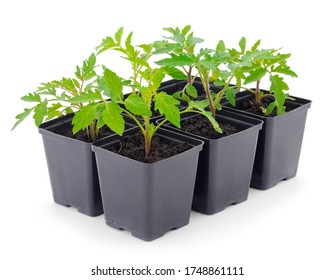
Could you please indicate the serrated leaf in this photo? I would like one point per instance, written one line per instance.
(209, 65)
(53, 114)
(186, 29)
(165, 47)
(192, 91)
(118, 35)
(40, 112)
(192, 41)
(113, 83)
(200, 105)
(92, 60)
(146, 48)
(157, 76)
(176, 60)
(22, 116)
(230, 95)
(277, 84)
(242, 44)
(31, 97)
(284, 69)
(175, 73)
(166, 105)
(137, 105)
(107, 43)
(213, 121)
(83, 118)
(112, 117)
(220, 47)
(255, 75)
(254, 47)
(87, 97)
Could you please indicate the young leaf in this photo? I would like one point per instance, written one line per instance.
(175, 73)
(22, 116)
(83, 118)
(40, 112)
(242, 44)
(186, 29)
(284, 69)
(255, 75)
(87, 97)
(192, 91)
(137, 106)
(157, 77)
(254, 47)
(220, 47)
(277, 84)
(209, 65)
(53, 111)
(176, 60)
(200, 105)
(113, 83)
(92, 60)
(31, 97)
(214, 123)
(166, 105)
(106, 44)
(118, 35)
(230, 95)
(269, 109)
(112, 117)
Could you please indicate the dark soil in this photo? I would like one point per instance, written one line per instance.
(201, 126)
(250, 105)
(132, 146)
(66, 130)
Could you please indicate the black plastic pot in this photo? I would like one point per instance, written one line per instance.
(147, 199)
(279, 143)
(225, 164)
(72, 169)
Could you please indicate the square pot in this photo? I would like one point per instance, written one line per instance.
(279, 142)
(225, 164)
(72, 169)
(147, 199)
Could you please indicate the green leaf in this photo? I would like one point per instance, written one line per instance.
(176, 60)
(31, 97)
(269, 109)
(192, 91)
(53, 111)
(186, 29)
(284, 69)
(137, 106)
(255, 75)
(213, 121)
(106, 44)
(166, 105)
(92, 60)
(112, 117)
(192, 41)
(146, 48)
(83, 118)
(175, 73)
(209, 65)
(242, 44)
(157, 76)
(87, 97)
(165, 47)
(40, 112)
(113, 83)
(230, 95)
(200, 105)
(277, 84)
(118, 35)
(220, 47)
(254, 47)
(22, 116)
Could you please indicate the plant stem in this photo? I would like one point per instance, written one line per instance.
(205, 84)
(189, 75)
(257, 93)
(92, 131)
(147, 136)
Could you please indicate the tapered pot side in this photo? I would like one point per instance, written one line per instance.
(225, 164)
(279, 142)
(147, 199)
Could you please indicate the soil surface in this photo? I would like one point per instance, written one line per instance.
(66, 130)
(250, 105)
(132, 146)
(201, 126)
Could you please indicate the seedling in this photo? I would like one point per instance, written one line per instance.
(145, 82)
(261, 63)
(217, 65)
(58, 97)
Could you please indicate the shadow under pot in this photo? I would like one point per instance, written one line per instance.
(225, 164)
(279, 141)
(147, 199)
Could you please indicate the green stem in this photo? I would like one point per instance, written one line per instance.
(147, 136)
(205, 84)
(220, 95)
(92, 131)
(257, 93)
(135, 120)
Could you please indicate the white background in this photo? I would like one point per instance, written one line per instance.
(284, 233)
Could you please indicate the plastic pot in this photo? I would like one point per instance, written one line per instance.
(225, 164)
(279, 142)
(147, 199)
